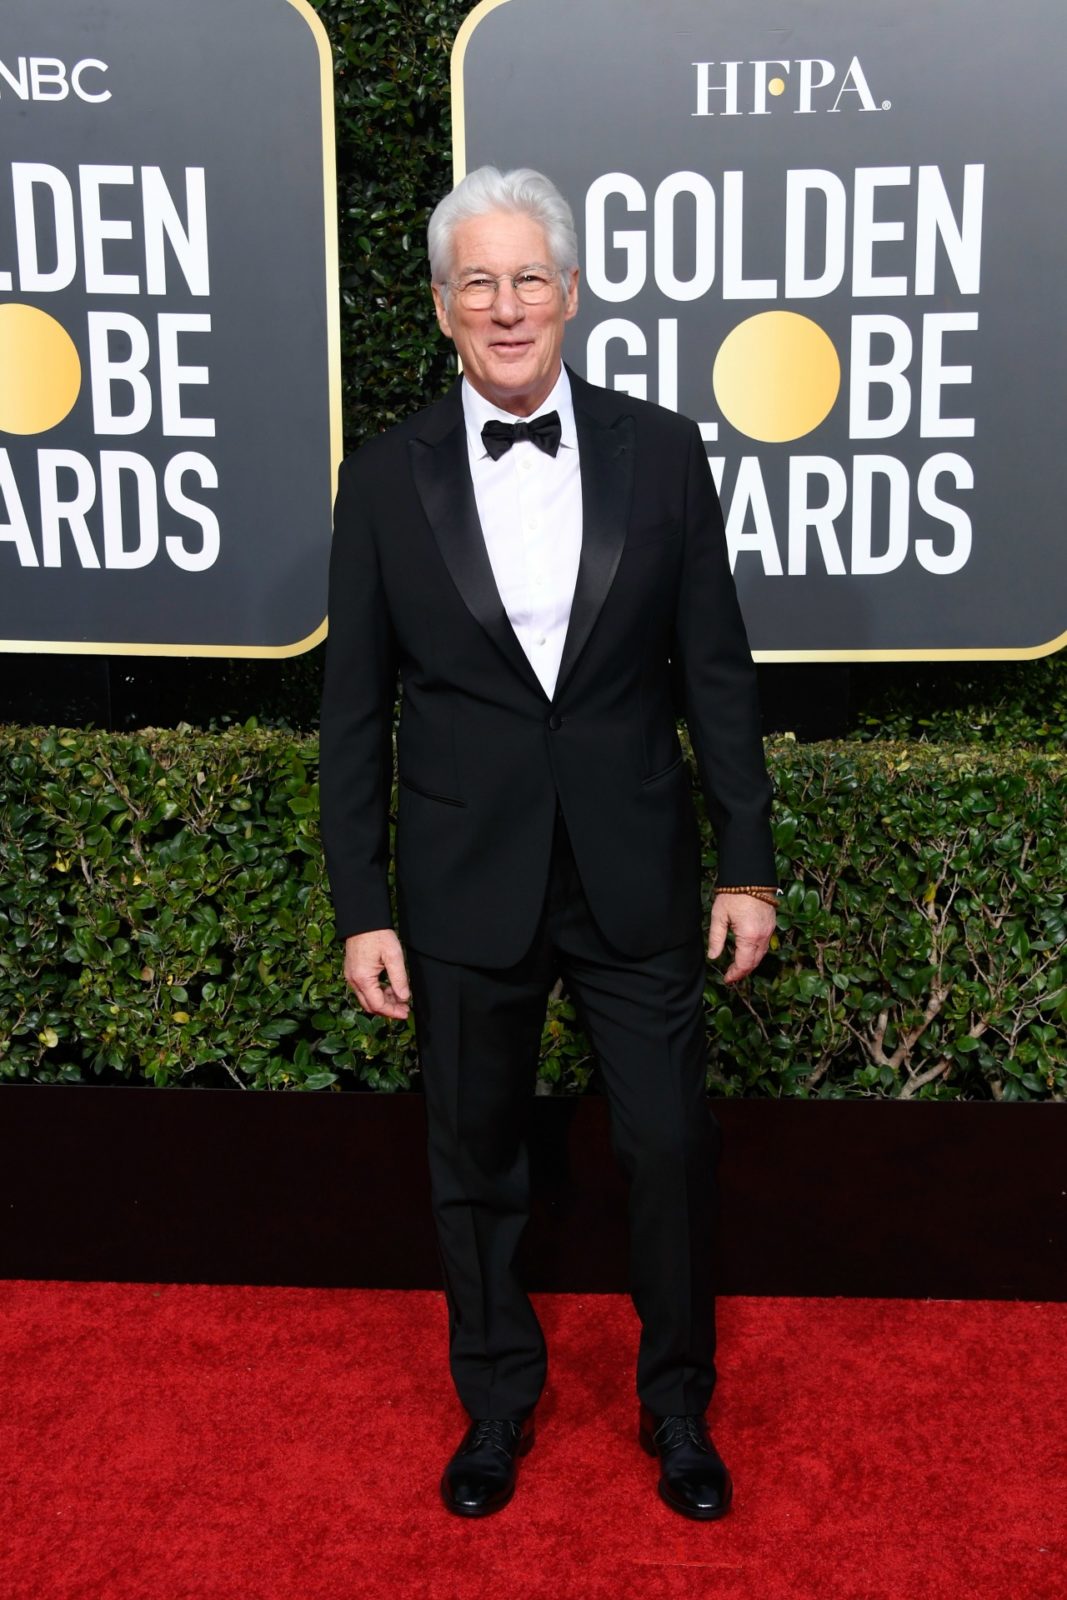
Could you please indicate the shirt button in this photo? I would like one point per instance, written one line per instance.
(542, 640)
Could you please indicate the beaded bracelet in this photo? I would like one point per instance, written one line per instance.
(759, 891)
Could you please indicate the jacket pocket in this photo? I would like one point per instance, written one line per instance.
(678, 761)
(428, 794)
(659, 533)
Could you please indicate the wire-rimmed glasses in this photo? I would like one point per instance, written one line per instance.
(533, 285)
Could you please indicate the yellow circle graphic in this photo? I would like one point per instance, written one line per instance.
(776, 376)
(777, 86)
(40, 373)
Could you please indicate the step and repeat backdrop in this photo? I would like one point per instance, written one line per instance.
(833, 235)
(169, 385)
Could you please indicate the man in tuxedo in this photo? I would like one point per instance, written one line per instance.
(543, 565)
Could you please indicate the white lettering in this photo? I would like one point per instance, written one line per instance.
(759, 85)
(25, 177)
(804, 516)
(935, 220)
(16, 529)
(596, 360)
(735, 286)
(188, 240)
(866, 232)
(855, 83)
(705, 88)
(90, 64)
(172, 375)
(864, 471)
(799, 185)
(935, 375)
(956, 518)
(96, 229)
(48, 78)
(667, 372)
(630, 241)
(56, 511)
(865, 374)
(45, 78)
(21, 84)
(808, 83)
(108, 370)
(750, 492)
(116, 554)
(663, 211)
(205, 519)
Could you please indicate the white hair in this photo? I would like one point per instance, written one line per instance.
(488, 189)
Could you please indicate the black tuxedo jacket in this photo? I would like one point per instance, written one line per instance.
(482, 752)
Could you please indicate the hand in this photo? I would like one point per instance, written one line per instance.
(752, 922)
(366, 954)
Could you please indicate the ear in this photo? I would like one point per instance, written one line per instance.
(441, 310)
(570, 304)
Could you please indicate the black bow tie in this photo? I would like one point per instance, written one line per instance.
(545, 432)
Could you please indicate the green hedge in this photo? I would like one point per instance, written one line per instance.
(394, 162)
(1005, 703)
(164, 919)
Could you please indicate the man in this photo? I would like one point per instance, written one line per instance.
(544, 564)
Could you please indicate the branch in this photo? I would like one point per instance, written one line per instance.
(941, 1069)
(818, 1072)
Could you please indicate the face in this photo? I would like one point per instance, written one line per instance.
(510, 351)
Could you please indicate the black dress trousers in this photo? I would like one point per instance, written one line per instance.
(478, 1032)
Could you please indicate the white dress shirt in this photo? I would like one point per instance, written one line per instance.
(530, 507)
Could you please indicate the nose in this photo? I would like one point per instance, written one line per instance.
(507, 307)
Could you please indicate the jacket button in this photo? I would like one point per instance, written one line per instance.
(555, 721)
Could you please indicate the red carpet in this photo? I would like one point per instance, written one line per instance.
(193, 1443)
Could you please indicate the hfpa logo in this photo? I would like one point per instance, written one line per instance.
(743, 88)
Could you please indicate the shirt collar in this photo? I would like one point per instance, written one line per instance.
(477, 411)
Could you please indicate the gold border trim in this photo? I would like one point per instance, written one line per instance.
(1025, 652)
(978, 653)
(329, 211)
(333, 358)
(459, 51)
(77, 647)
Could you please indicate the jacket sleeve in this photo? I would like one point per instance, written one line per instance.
(719, 694)
(355, 740)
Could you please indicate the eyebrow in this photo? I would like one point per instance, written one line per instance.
(527, 266)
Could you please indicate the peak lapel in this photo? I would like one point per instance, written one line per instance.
(441, 470)
(606, 445)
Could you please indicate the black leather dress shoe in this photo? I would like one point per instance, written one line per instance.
(480, 1477)
(694, 1479)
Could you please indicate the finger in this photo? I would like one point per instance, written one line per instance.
(397, 1005)
(397, 972)
(379, 1001)
(720, 922)
(374, 996)
(748, 953)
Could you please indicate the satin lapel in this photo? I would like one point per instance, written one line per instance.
(607, 458)
(441, 470)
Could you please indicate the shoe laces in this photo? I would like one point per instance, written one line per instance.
(674, 1431)
(497, 1432)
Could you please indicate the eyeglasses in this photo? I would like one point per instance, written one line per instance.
(532, 285)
